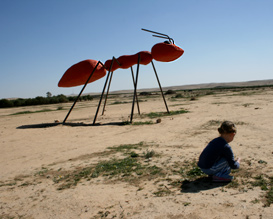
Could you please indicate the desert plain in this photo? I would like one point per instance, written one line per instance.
(147, 169)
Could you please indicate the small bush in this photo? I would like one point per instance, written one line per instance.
(170, 92)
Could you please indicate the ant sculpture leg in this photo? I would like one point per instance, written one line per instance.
(160, 86)
(134, 87)
(103, 90)
(135, 91)
(99, 62)
(109, 88)
(107, 93)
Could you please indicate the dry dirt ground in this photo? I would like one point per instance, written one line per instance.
(146, 169)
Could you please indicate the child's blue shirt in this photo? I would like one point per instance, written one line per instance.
(214, 151)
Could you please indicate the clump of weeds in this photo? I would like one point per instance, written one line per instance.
(162, 192)
(245, 180)
(266, 184)
(153, 115)
(123, 169)
(149, 154)
(143, 123)
(128, 147)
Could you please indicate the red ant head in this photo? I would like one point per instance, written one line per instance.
(166, 52)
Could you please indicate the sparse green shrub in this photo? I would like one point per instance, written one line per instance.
(195, 171)
(144, 93)
(143, 123)
(179, 96)
(149, 154)
(160, 114)
(170, 92)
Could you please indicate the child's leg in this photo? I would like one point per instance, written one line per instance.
(221, 169)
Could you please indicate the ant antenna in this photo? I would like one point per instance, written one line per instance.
(160, 35)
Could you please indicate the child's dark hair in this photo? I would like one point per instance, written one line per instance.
(227, 127)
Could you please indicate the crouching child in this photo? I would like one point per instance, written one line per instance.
(217, 159)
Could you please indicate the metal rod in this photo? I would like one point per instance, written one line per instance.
(107, 93)
(109, 84)
(170, 39)
(134, 86)
(161, 37)
(135, 91)
(102, 93)
(81, 91)
(162, 34)
(155, 32)
(160, 87)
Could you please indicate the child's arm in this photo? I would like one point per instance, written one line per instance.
(228, 154)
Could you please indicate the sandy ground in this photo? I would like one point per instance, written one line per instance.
(40, 158)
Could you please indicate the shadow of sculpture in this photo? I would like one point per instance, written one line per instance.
(71, 124)
(200, 184)
(35, 126)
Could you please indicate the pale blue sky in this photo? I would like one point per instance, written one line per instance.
(224, 41)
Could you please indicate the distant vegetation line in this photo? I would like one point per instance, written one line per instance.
(5, 103)
(39, 100)
(234, 87)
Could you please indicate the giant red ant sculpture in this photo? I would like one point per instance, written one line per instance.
(88, 71)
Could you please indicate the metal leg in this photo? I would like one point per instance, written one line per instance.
(102, 93)
(160, 88)
(81, 91)
(134, 86)
(107, 93)
(135, 91)
(113, 59)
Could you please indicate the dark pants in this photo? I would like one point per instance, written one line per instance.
(220, 168)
